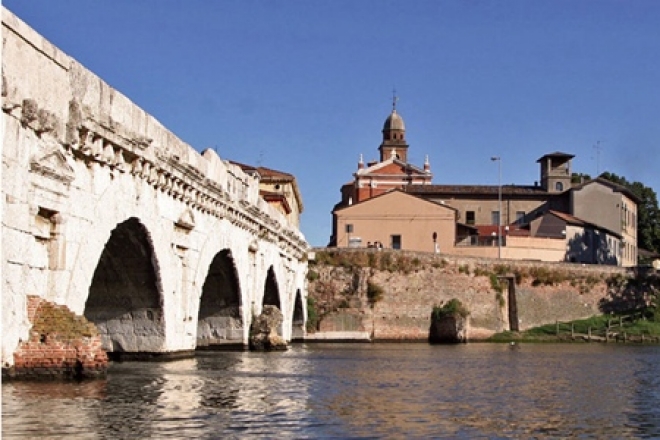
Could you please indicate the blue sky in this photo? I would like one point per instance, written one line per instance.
(305, 86)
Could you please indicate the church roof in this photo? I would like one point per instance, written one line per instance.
(409, 168)
(394, 122)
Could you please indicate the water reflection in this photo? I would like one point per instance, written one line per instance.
(365, 390)
(645, 414)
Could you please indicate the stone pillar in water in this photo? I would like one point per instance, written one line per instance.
(263, 330)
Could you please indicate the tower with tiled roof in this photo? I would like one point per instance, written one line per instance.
(394, 137)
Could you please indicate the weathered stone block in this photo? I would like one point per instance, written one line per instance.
(264, 331)
(449, 329)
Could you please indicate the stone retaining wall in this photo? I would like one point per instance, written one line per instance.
(413, 283)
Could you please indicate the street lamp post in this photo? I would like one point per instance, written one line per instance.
(499, 204)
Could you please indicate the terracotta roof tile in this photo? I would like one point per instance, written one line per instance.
(476, 190)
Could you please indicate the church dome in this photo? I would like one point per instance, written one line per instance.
(394, 122)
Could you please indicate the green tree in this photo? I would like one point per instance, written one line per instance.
(648, 213)
(577, 178)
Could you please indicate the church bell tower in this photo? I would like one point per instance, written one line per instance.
(394, 136)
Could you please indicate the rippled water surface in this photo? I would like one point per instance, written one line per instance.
(356, 391)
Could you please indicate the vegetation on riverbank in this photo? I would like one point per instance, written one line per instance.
(640, 327)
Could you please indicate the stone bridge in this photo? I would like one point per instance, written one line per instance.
(107, 212)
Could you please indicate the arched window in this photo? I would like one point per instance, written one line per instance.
(559, 186)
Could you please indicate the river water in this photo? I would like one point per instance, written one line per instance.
(356, 391)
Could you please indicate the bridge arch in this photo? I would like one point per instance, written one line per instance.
(298, 317)
(125, 294)
(271, 290)
(220, 316)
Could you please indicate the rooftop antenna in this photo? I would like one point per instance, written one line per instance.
(597, 147)
(394, 99)
(261, 158)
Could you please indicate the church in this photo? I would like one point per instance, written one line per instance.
(391, 203)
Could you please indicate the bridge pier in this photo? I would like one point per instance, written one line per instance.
(108, 213)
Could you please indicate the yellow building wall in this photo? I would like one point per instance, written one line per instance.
(396, 213)
(287, 190)
(517, 248)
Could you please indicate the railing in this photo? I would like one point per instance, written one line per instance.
(475, 240)
(614, 330)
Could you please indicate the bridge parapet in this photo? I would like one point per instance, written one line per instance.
(98, 125)
(95, 144)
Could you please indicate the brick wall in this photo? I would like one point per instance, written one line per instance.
(61, 344)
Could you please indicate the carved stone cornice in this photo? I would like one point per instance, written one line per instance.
(104, 145)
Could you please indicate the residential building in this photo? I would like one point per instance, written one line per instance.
(552, 220)
(279, 189)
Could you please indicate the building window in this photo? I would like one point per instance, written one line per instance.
(495, 217)
(520, 217)
(559, 186)
(469, 217)
(396, 242)
(349, 229)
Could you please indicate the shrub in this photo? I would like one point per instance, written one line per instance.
(374, 292)
(502, 269)
(520, 275)
(312, 275)
(480, 271)
(386, 262)
(453, 307)
(312, 315)
(547, 277)
(403, 264)
(499, 296)
(495, 283)
(372, 260)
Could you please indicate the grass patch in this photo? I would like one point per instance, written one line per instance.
(632, 325)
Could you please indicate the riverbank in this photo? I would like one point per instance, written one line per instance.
(640, 328)
(391, 295)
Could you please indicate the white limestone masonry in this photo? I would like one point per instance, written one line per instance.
(79, 159)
